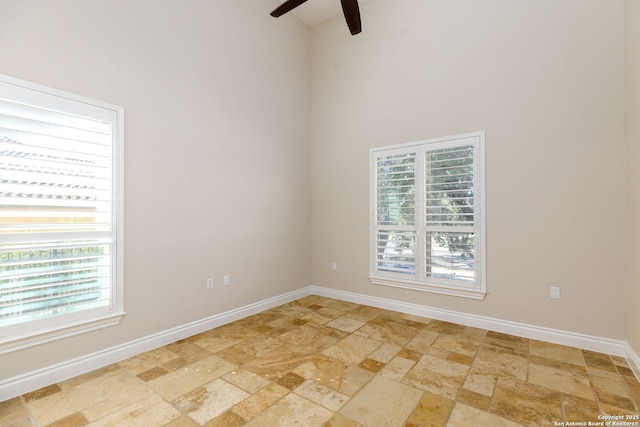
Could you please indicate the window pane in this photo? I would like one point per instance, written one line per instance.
(396, 251)
(39, 280)
(450, 186)
(396, 189)
(450, 255)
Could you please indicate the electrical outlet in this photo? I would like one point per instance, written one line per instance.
(334, 265)
(554, 292)
(210, 283)
(226, 280)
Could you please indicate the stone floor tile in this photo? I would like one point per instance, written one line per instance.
(248, 381)
(117, 401)
(353, 349)
(397, 368)
(259, 401)
(407, 353)
(12, 411)
(385, 353)
(501, 361)
(633, 385)
(191, 377)
(465, 416)
(577, 409)
(344, 305)
(611, 388)
(305, 334)
(481, 382)
(463, 359)
(228, 419)
(476, 400)
(564, 377)
(322, 395)
(208, 402)
(432, 411)
(247, 350)
(527, 404)
(290, 380)
(382, 402)
(371, 365)
(365, 313)
(438, 376)
(339, 420)
(442, 327)
(456, 343)
(189, 351)
(152, 373)
(476, 335)
(422, 341)
(345, 324)
(148, 360)
(42, 392)
(598, 360)
(347, 379)
(75, 420)
(558, 352)
(290, 411)
(506, 341)
(82, 392)
(396, 333)
(280, 361)
(182, 421)
(151, 411)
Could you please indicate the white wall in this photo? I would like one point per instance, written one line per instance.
(632, 56)
(216, 98)
(545, 80)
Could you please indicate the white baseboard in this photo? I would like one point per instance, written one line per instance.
(18, 385)
(572, 339)
(634, 361)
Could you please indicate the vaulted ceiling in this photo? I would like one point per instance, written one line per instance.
(313, 12)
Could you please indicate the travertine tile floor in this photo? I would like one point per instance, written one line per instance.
(323, 362)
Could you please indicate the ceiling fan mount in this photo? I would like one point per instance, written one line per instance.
(349, 8)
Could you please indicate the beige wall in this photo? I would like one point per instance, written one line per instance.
(632, 56)
(545, 80)
(216, 98)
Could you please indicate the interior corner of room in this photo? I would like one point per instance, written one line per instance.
(246, 168)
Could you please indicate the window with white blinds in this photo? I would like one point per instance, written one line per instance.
(427, 203)
(60, 213)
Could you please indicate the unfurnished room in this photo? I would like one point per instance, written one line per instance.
(320, 213)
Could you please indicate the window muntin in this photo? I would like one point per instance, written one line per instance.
(60, 213)
(428, 225)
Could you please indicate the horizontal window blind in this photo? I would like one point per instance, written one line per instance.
(427, 204)
(56, 211)
(396, 214)
(449, 213)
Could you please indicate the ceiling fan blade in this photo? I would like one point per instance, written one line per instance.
(352, 15)
(286, 7)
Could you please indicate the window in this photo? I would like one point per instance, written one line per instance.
(60, 214)
(427, 210)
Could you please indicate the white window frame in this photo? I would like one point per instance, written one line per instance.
(475, 289)
(30, 333)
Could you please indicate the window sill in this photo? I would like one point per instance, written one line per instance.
(10, 344)
(478, 294)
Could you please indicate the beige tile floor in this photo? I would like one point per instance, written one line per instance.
(323, 362)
